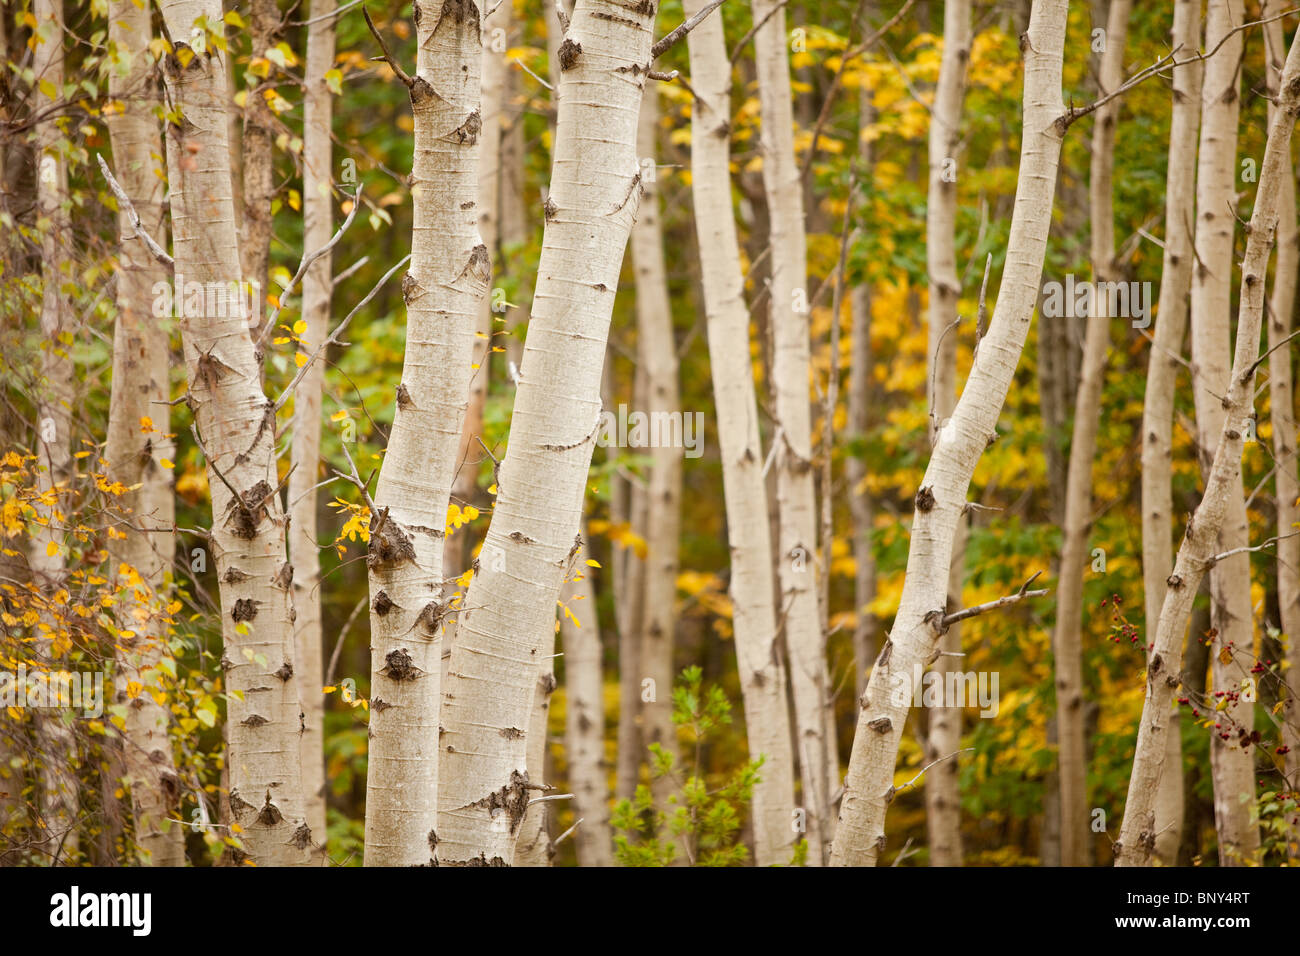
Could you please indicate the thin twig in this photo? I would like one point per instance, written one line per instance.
(669, 39)
(158, 252)
(397, 67)
(950, 619)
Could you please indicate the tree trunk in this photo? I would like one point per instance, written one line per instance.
(1067, 637)
(510, 607)
(465, 484)
(1282, 410)
(1196, 554)
(134, 450)
(304, 547)
(444, 289)
(861, 502)
(1162, 374)
(236, 422)
(55, 739)
(762, 673)
(941, 499)
(257, 148)
(1231, 613)
(943, 736)
(534, 845)
(796, 504)
(658, 363)
(584, 730)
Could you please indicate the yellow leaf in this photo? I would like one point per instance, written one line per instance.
(593, 563)
(166, 463)
(51, 549)
(300, 359)
(300, 327)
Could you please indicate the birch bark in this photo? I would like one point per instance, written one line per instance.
(1162, 374)
(940, 500)
(1067, 637)
(658, 353)
(584, 724)
(796, 504)
(236, 423)
(443, 290)
(1231, 613)
(140, 391)
(759, 659)
(943, 736)
(60, 800)
(1197, 553)
(304, 547)
(510, 607)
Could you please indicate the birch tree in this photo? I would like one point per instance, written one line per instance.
(59, 797)
(941, 499)
(533, 536)
(796, 504)
(304, 553)
(658, 364)
(534, 845)
(1281, 382)
(943, 735)
(1067, 639)
(448, 277)
(141, 554)
(1197, 553)
(235, 424)
(758, 655)
(1162, 374)
(1211, 306)
(584, 722)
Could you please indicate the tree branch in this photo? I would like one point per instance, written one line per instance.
(129, 208)
(950, 619)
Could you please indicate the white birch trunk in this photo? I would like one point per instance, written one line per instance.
(534, 845)
(658, 354)
(510, 607)
(1067, 638)
(1162, 374)
(56, 743)
(304, 548)
(758, 656)
(940, 500)
(1231, 613)
(584, 724)
(1197, 552)
(1281, 383)
(140, 390)
(796, 504)
(444, 289)
(236, 422)
(943, 737)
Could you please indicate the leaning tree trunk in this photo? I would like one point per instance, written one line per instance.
(56, 742)
(796, 504)
(304, 551)
(1197, 553)
(1067, 637)
(762, 674)
(533, 537)
(444, 288)
(584, 722)
(1162, 374)
(135, 448)
(658, 353)
(236, 424)
(1231, 612)
(943, 736)
(1282, 410)
(941, 498)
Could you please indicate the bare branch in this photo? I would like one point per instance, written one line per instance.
(397, 67)
(950, 619)
(669, 39)
(129, 208)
